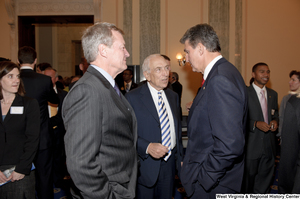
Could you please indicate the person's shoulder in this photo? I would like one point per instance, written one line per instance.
(28, 100)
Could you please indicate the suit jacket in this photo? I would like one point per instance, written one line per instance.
(40, 87)
(57, 119)
(149, 130)
(177, 88)
(289, 167)
(19, 134)
(100, 141)
(216, 132)
(258, 141)
(122, 87)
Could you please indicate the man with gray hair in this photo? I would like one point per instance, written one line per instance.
(101, 135)
(214, 159)
(159, 130)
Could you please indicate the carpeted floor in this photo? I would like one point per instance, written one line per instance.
(179, 193)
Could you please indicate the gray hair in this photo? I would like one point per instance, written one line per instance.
(99, 33)
(204, 34)
(146, 64)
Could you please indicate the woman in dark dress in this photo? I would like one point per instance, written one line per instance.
(289, 165)
(19, 135)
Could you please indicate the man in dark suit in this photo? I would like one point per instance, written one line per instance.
(261, 136)
(214, 159)
(158, 160)
(40, 87)
(176, 87)
(101, 135)
(56, 122)
(128, 84)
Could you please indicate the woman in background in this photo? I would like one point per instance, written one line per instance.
(19, 135)
(289, 166)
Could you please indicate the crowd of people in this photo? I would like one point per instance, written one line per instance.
(124, 140)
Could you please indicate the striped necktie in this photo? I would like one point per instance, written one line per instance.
(164, 125)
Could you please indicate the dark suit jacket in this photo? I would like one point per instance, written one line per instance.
(40, 87)
(177, 88)
(100, 141)
(57, 119)
(289, 167)
(122, 87)
(19, 135)
(216, 132)
(149, 130)
(258, 141)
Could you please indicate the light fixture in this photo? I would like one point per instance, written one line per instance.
(181, 59)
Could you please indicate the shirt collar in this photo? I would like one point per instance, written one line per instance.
(210, 65)
(106, 75)
(26, 67)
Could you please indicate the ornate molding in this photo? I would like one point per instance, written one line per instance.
(44, 8)
(10, 8)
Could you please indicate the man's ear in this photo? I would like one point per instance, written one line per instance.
(18, 61)
(35, 61)
(201, 48)
(146, 75)
(253, 74)
(102, 50)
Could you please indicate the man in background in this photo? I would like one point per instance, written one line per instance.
(260, 148)
(101, 126)
(214, 159)
(56, 122)
(128, 84)
(40, 87)
(176, 86)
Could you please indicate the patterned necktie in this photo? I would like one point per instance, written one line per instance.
(164, 125)
(264, 106)
(117, 90)
(127, 87)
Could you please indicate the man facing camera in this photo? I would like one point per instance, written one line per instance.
(214, 159)
(159, 130)
(101, 136)
(261, 136)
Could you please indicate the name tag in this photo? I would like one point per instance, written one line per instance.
(272, 112)
(16, 110)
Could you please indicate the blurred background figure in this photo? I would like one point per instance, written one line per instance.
(19, 134)
(40, 68)
(294, 84)
(128, 84)
(289, 167)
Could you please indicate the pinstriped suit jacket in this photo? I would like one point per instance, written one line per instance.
(100, 139)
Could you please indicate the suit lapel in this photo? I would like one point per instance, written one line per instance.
(172, 103)
(146, 98)
(269, 99)
(122, 104)
(253, 95)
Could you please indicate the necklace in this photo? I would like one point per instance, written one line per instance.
(3, 102)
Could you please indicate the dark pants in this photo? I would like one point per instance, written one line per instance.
(201, 193)
(163, 188)
(258, 174)
(44, 176)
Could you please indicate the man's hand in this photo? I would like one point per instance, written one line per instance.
(188, 105)
(157, 150)
(273, 124)
(263, 126)
(16, 176)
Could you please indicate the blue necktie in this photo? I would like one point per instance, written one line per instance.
(164, 125)
(117, 90)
